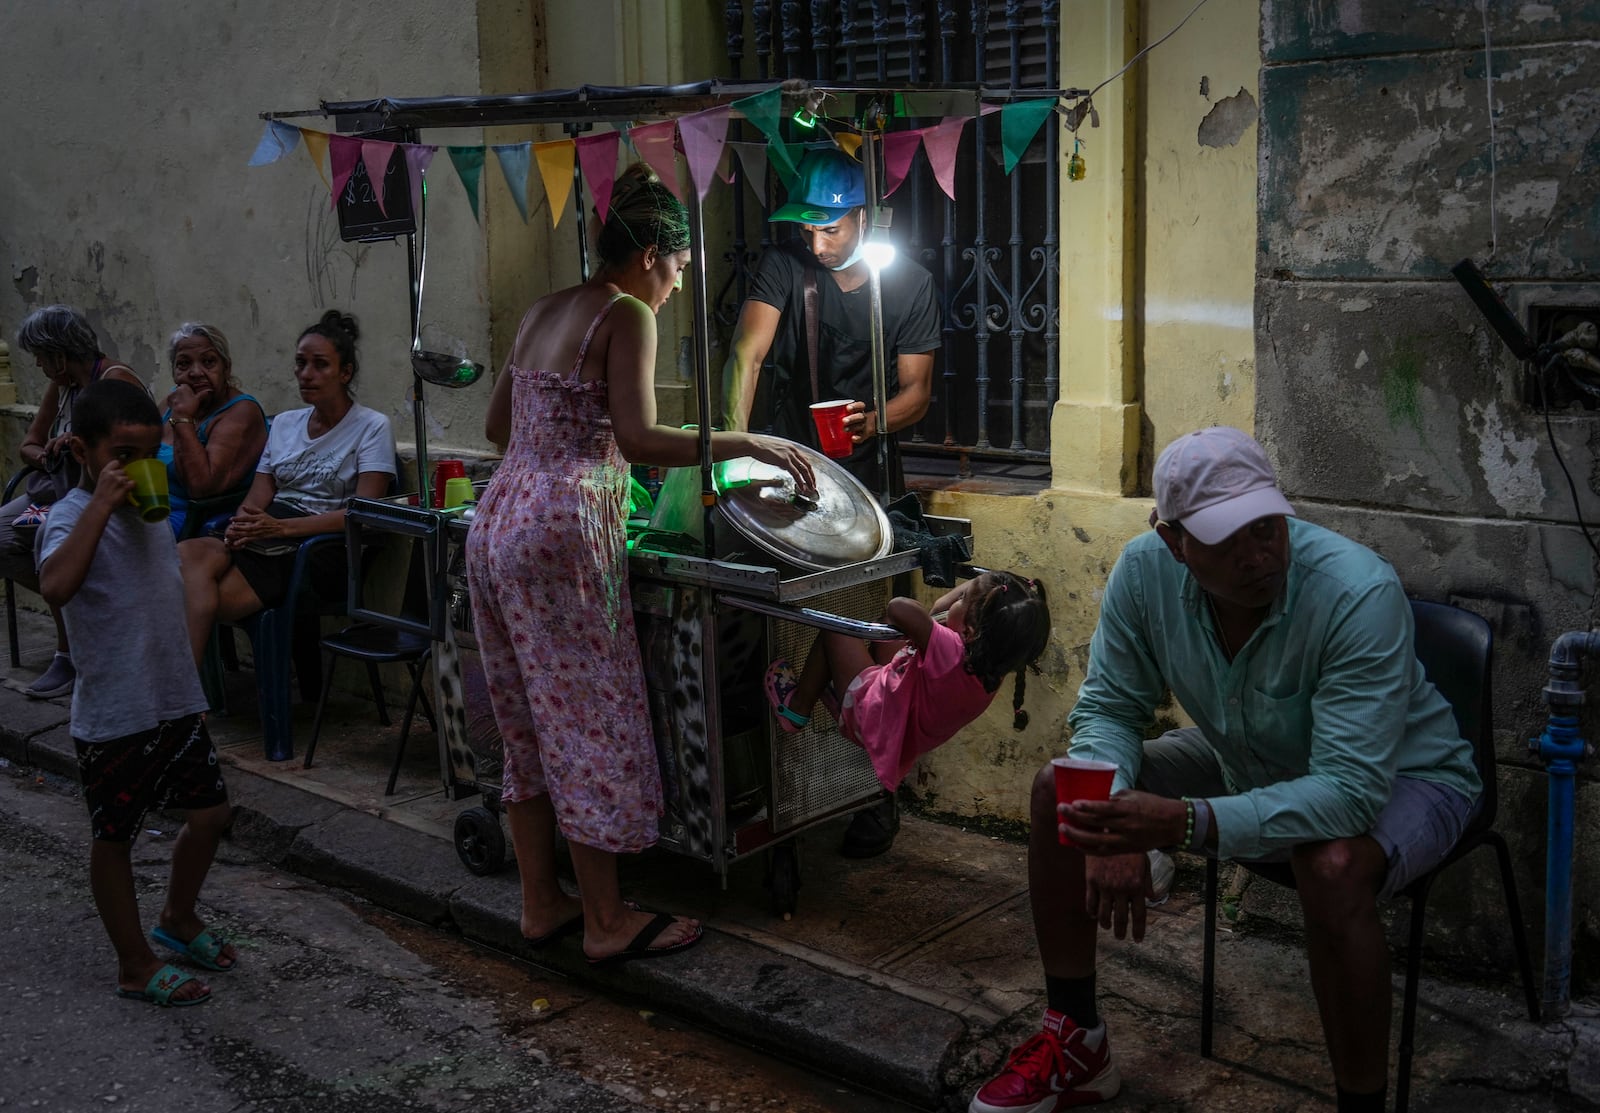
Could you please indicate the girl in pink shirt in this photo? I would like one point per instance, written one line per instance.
(903, 698)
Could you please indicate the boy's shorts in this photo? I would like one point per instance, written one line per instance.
(1416, 829)
(172, 765)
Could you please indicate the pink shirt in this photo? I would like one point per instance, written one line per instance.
(899, 711)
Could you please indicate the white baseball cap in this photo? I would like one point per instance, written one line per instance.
(1215, 482)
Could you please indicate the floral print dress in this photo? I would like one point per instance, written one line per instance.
(547, 569)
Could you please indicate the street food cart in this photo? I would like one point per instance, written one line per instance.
(730, 570)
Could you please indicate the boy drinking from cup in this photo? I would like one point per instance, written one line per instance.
(136, 710)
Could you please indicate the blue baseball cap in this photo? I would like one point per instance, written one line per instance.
(830, 184)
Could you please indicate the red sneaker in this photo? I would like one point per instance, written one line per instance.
(1062, 1067)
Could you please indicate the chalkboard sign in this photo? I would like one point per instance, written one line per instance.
(360, 218)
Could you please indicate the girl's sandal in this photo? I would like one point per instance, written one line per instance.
(779, 685)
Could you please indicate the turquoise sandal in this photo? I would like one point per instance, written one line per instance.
(160, 988)
(203, 950)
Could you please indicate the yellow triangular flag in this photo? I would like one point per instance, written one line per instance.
(555, 169)
(317, 147)
(849, 142)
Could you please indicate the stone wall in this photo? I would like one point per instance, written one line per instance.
(1392, 411)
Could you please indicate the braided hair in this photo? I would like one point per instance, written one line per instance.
(644, 213)
(1008, 626)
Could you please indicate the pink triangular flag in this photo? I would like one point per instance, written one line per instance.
(342, 154)
(418, 157)
(753, 161)
(375, 156)
(899, 148)
(654, 143)
(941, 142)
(703, 133)
(597, 154)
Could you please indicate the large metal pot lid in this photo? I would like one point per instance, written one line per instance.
(842, 525)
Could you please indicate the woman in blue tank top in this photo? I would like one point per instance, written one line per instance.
(214, 431)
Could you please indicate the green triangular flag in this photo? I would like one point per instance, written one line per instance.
(763, 111)
(468, 162)
(1019, 122)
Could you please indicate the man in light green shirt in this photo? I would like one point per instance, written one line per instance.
(1317, 741)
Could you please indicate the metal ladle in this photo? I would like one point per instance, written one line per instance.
(438, 368)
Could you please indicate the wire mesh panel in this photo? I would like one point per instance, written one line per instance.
(817, 770)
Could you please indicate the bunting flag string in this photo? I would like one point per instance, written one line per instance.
(343, 151)
(899, 148)
(555, 169)
(468, 162)
(597, 157)
(702, 137)
(1019, 123)
(940, 144)
(704, 134)
(277, 140)
(317, 151)
(655, 144)
(375, 156)
(419, 156)
(513, 159)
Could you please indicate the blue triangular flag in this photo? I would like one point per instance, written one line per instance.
(277, 140)
(514, 159)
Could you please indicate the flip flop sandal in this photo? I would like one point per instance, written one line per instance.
(160, 988)
(639, 946)
(571, 927)
(779, 684)
(203, 950)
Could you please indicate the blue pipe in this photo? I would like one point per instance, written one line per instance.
(1560, 748)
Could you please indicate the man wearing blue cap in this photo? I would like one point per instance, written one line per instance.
(827, 355)
(1318, 741)
(829, 202)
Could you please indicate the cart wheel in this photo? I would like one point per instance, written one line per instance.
(783, 879)
(480, 844)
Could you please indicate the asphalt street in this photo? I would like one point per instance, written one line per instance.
(336, 1006)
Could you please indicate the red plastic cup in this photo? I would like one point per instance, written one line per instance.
(831, 433)
(444, 471)
(1081, 779)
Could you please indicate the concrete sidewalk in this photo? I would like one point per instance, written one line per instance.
(910, 975)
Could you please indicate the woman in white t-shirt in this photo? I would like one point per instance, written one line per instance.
(315, 460)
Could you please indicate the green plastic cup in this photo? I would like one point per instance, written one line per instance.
(149, 495)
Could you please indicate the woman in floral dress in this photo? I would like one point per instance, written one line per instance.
(547, 565)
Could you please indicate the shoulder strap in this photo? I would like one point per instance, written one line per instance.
(811, 328)
(594, 326)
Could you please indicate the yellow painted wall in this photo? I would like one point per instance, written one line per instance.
(1158, 269)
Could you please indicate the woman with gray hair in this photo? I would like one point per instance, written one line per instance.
(214, 431)
(66, 349)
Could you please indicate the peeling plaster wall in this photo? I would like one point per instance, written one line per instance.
(130, 127)
(1390, 408)
(1196, 237)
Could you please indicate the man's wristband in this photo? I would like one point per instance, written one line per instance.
(1188, 824)
(1201, 833)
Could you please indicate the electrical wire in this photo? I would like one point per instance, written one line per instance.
(1488, 94)
(1549, 428)
(1148, 49)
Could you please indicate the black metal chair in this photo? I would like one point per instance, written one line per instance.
(406, 638)
(16, 566)
(1456, 651)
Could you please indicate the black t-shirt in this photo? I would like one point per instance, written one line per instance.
(911, 325)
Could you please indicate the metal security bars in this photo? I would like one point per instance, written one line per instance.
(993, 253)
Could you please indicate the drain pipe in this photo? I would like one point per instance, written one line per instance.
(1560, 748)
